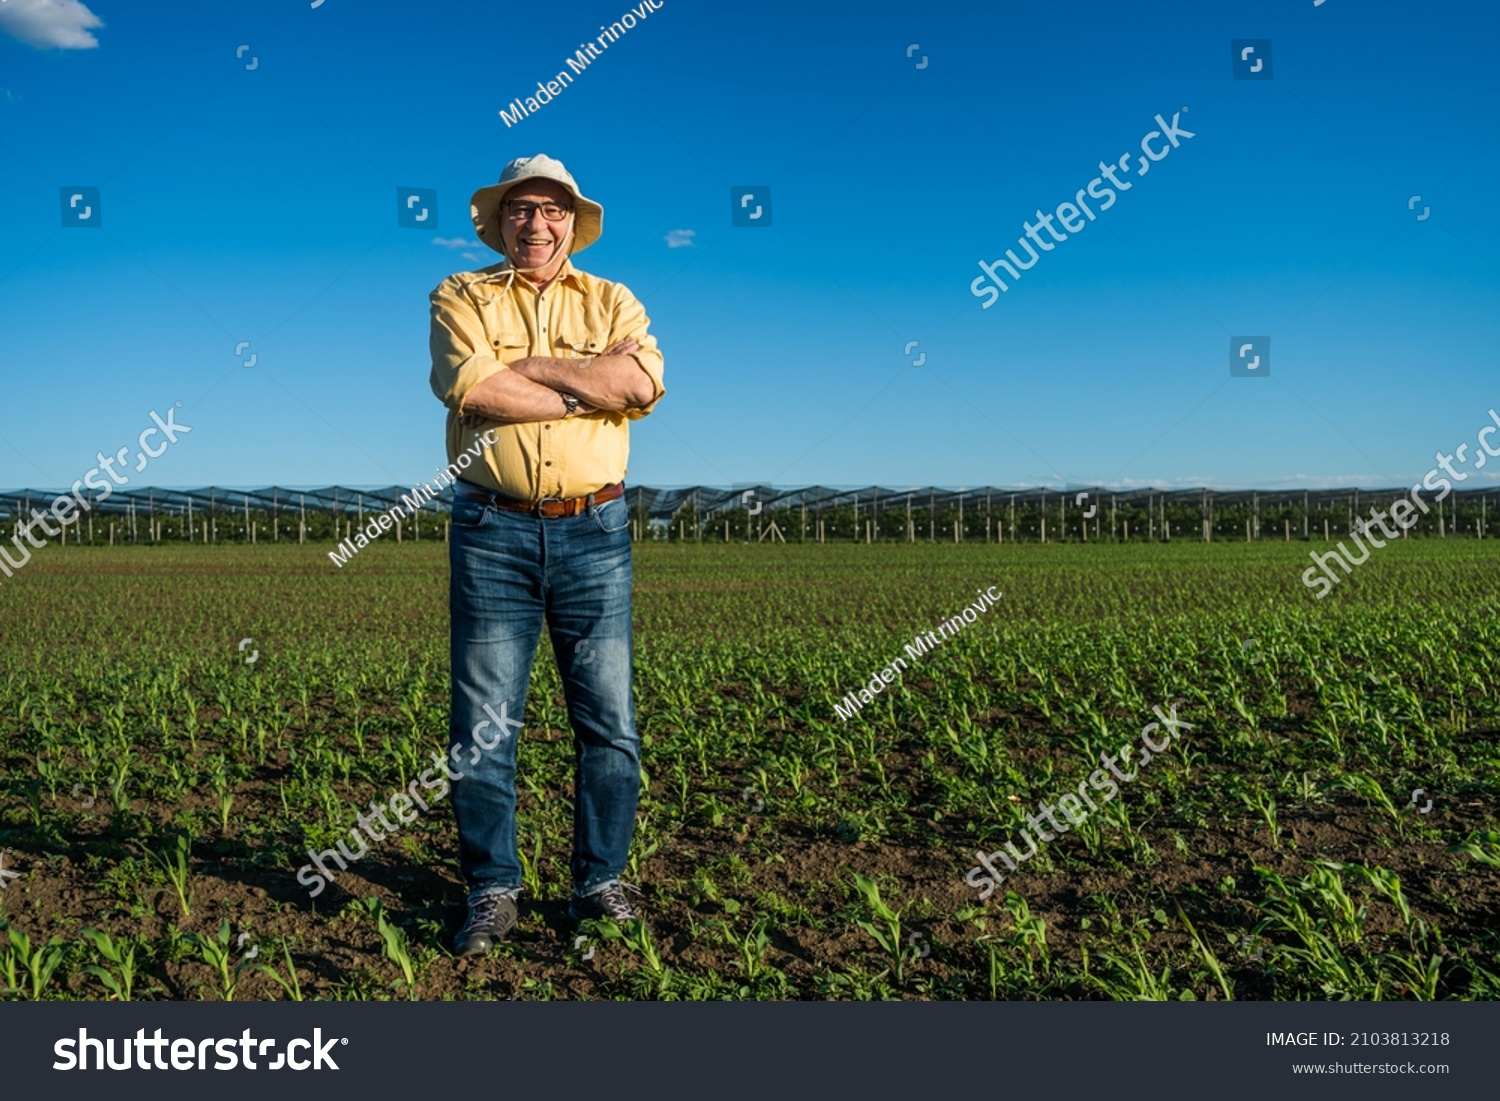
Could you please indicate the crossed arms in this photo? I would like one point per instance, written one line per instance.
(532, 388)
(471, 377)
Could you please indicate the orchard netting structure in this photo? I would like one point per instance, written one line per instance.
(770, 514)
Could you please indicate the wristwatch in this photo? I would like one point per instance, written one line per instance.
(572, 403)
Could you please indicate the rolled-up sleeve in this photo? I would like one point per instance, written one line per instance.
(460, 357)
(629, 322)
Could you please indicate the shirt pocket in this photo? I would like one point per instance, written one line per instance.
(509, 345)
(577, 343)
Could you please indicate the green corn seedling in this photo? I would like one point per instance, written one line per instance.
(218, 953)
(39, 962)
(175, 862)
(121, 981)
(288, 982)
(885, 928)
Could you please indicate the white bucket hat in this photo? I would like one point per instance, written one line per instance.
(484, 207)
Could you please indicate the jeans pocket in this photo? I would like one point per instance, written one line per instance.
(612, 516)
(469, 514)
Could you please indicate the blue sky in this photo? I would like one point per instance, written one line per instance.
(258, 204)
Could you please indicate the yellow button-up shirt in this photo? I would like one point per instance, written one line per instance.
(484, 321)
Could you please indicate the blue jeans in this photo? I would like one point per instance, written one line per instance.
(511, 570)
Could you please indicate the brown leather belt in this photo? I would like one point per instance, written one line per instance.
(548, 508)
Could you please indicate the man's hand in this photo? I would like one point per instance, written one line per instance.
(619, 348)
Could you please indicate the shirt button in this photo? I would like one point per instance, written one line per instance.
(546, 428)
(547, 463)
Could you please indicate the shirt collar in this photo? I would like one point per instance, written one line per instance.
(507, 273)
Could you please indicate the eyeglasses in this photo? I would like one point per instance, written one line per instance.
(521, 211)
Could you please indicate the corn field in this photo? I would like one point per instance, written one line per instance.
(181, 724)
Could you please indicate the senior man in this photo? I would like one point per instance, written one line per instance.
(561, 362)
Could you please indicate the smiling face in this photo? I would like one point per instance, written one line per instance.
(536, 242)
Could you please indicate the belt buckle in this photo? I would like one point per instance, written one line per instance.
(537, 510)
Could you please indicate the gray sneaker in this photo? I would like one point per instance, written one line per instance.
(608, 903)
(491, 920)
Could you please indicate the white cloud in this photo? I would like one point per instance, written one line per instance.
(472, 256)
(680, 238)
(455, 242)
(50, 24)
